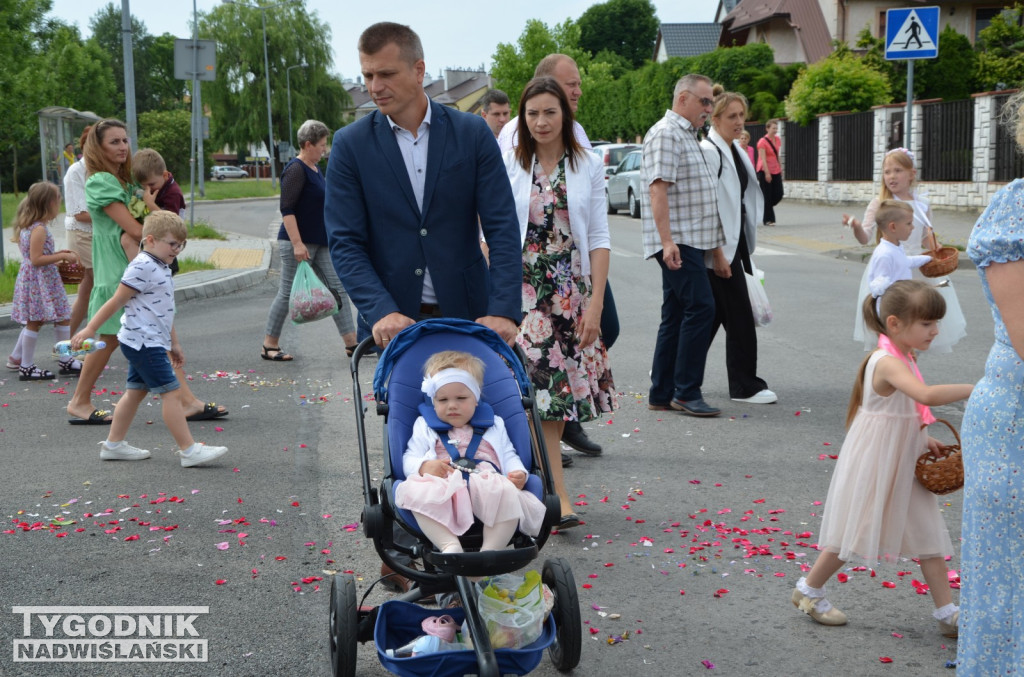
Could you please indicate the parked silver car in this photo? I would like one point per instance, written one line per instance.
(611, 154)
(623, 187)
(228, 172)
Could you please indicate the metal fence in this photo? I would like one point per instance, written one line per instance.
(802, 152)
(1009, 162)
(852, 146)
(948, 141)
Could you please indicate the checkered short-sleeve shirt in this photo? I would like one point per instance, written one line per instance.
(671, 153)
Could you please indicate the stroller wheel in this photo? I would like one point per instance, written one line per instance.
(565, 650)
(344, 625)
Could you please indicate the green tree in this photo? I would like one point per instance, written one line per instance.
(950, 76)
(237, 98)
(514, 64)
(1001, 51)
(170, 134)
(20, 24)
(840, 82)
(74, 73)
(628, 28)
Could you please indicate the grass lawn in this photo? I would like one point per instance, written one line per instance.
(186, 264)
(236, 188)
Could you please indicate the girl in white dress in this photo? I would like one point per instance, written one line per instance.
(876, 509)
(898, 177)
(435, 489)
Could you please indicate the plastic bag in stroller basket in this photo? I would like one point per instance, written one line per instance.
(310, 298)
(514, 608)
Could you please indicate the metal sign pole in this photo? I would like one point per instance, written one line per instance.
(909, 122)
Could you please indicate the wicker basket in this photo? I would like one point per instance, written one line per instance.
(70, 273)
(944, 261)
(942, 473)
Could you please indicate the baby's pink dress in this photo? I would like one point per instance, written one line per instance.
(488, 495)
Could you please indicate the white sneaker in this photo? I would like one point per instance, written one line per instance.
(764, 397)
(199, 454)
(121, 451)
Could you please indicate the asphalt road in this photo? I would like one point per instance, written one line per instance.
(669, 507)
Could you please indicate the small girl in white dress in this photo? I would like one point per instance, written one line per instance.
(898, 177)
(436, 489)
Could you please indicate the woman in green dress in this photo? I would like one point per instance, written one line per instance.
(109, 189)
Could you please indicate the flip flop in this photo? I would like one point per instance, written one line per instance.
(568, 521)
(97, 417)
(209, 411)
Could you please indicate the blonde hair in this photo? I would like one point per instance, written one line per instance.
(1012, 117)
(724, 99)
(900, 157)
(36, 206)
(161, 223)
(889, 211)
(146, 164)
(455, 359)
(908, 301)
(96, 161)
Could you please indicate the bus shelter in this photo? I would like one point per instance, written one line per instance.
(59, 126)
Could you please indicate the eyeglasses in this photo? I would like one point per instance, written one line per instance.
(175, 246)
(704, 101)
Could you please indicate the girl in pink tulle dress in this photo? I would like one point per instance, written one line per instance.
(876, 509)
(436, 490)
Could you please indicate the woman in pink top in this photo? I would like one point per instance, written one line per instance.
(771, 181)
(744, 139)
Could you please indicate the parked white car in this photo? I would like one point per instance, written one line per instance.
(623, 185)
(222, 172)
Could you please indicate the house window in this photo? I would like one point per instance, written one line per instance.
(881, 26)
(983, 18)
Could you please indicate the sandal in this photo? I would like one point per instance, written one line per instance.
(34, 373)
(350, 350)
(70, 367)
(278, 356)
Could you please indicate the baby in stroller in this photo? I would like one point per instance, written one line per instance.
(460, 462)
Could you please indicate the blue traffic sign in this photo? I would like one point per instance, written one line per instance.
(912, 33)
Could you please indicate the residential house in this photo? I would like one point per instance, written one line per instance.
(802, 31)
(458, 88)
(691, 39)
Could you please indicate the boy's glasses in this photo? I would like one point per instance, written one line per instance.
(175, 246)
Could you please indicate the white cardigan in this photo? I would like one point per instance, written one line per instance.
(729, 195)
(584, 188)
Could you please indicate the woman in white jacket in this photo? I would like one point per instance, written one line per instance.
(740, 204)
(559, 192)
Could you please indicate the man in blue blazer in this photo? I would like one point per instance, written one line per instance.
(405, 187)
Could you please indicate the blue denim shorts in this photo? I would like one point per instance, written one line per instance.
(150, 369)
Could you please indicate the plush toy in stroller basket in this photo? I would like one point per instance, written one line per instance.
(398, 626)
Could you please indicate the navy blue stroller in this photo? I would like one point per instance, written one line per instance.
(397, 392)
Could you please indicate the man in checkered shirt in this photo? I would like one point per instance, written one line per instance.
(679, 225)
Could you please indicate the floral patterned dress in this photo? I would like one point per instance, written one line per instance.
(572, 382)
(39, 294)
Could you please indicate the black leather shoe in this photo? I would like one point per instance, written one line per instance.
(566, 460)
(574, 436)
(696, 407)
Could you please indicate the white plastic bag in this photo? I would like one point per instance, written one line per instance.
(758, 299)
(512, 609)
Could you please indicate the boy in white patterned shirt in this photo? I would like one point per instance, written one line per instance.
(147, 335)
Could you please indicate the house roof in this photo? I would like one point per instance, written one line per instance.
(688, 39)
(803, 16)
(461, 90)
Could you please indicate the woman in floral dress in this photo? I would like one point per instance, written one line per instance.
(559, 192)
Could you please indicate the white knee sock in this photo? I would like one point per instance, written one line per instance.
(16, 353)
(28, 347)
(62, 332)
(498, 536)
(440, 535)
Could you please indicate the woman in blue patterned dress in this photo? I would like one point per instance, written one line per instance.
(563, 224)
(992, 568)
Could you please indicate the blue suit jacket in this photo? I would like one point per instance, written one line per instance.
(381, 242)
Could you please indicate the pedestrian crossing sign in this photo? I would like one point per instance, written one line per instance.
(912, 33)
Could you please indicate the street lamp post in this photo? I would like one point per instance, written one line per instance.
(288, 84)
(266, 68)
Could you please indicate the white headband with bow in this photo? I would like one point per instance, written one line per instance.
(431, 384)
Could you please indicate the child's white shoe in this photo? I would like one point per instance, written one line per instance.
(818, 608)
(198, 454)
(121, 451)
(949, 620)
